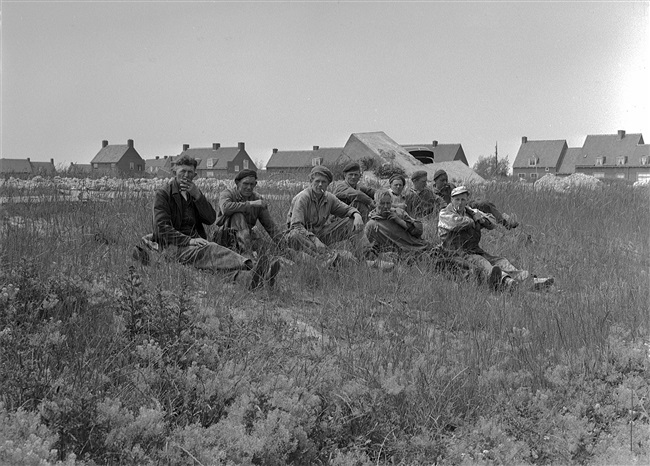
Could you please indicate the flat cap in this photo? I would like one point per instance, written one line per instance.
(418, 174)
(438, 174)
(459, 190)
(245, 174)
(322, 170)
(352, 166)
(397, 176)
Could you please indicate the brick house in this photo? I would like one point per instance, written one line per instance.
(217, 160)
(303, 160)
(537, 158)
(160, 166)
(118, 159)
(615, 156)
(25, 168)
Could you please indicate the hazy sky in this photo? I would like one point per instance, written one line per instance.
(296, 74)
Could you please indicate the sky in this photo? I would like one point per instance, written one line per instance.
(291, 75)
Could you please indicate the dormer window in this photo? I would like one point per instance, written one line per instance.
(621, 160)
(645, 160)
(210, 163)
(316, 161)
(600, 161)
(532, 162)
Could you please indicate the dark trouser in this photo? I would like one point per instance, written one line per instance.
(235, 234)
(334, 232)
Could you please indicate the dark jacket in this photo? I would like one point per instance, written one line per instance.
(168, 214)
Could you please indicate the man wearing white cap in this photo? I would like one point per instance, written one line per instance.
(459, 228)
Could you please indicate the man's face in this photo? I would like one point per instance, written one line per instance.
(385, 203)
(397, 186)
(319, 184)
(185, 174)
(460, 201)
(441, 181)
(420, 183)
(353, 178)
(246, 186)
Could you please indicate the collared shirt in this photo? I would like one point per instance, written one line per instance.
(459, 231)
(310, 213)
(231, 201)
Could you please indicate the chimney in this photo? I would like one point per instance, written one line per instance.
(240, 145)
(524, 139)
(275, 151)
(104, 143)
(28, 159)
(316, 147)
(186, 146)
(52, 161)
(129, 142)
(621, 133)
(435, 144)
(215, 145)
(157, 157)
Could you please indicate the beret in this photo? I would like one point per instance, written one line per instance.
(322, 170)
(439, 173)
(459, 190)
(245, 173)
(418, 174)
(352, 166)
(397, 176)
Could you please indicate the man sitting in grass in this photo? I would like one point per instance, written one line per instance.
(352, 193)
(179, 212)
(240, 209)
(420, 200)
(459, 228)
(442, 187)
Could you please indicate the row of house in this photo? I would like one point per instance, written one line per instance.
(612, 156)
(25, 168)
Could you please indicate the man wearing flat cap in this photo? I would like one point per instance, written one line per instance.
(352, 193)
(310, 228)
(420, 200)
(240, 208)
(459, 228)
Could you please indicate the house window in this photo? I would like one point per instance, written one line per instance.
(245, 164)
(643, 176)
(95, 166)
(210, 163)
(599, 175)
(522, 176)
(621, 160)
(644, 160)
(600, 161)
(620, 176)
(316, 161)
(546, 169)
(139, 168)
(533, 176)
(532, 162)
(209, 174)
(236, 168)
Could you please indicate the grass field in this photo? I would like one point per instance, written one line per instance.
(104, 361)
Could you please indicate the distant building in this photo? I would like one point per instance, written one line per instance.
(25, 168)
(303, 160)
(606, 156)
(118, 159)
(435, 152)
(160, 166)
(80, 169)
(217, 160)
(537, 158)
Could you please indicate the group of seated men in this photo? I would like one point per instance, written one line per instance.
(374, 221)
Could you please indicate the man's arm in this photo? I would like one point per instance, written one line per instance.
(207, 214)
(162, 217)
(413, 226)
(450, 220)
(229, 205)
(346, 193)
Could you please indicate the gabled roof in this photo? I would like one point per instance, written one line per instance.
(112, 153)
(548, 152)
(610, 146)
(18, 166)
(158, 163)
(641, 150)
(43, 167)
(80, 167)
(220, 157)
(303, 158)
(571, 158)
(441, 152)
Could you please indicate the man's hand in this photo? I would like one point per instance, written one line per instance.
(190, 187)
(395, 218)
(357, 224)
(259, 203)
(199, 241)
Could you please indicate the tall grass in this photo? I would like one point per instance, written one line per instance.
(168, 365)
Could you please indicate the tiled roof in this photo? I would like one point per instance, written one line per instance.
(303, 158)
(110, 154)
(18, 166)
(571, 158)
(220, 157)
(441, 152)
(549, 153)
(160, 162)
(80, 167)
(43, 167)
(610, 146)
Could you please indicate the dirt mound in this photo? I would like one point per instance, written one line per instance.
(563, 184)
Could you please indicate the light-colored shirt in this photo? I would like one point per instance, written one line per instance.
(310, 213)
